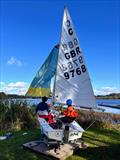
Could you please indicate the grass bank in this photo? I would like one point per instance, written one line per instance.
(103, 137)
(104, 144)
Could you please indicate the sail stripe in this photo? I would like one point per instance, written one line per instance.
(36, 92)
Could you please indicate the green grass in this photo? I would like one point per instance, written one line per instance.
(11, 149)
(103, 144)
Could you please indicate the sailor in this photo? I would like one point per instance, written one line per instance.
(42, 110)
(70, 113)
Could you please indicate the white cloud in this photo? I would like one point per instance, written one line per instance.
(106, 90)
(17, 84)
(2, 83)
(14, 61)
(19, 88)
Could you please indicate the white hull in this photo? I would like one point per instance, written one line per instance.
(75, 131)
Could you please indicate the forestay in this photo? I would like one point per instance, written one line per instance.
(72, 78)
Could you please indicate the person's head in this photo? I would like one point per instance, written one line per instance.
(69, 102)
(44, 99)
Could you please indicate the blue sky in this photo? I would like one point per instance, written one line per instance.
(30, 28)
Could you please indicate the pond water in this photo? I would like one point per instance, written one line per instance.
(112, 102)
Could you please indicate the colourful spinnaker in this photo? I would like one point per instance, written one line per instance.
(41, 84)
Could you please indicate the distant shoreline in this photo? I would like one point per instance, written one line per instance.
(110, 96)
(106, 98)
(7, 96)
(97, 98)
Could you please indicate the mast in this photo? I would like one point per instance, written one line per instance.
(53, 95)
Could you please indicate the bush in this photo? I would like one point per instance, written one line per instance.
(16, 115)
(99, 120)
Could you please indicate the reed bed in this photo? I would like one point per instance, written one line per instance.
(17, 115)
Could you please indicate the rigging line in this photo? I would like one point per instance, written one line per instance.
(90, 125)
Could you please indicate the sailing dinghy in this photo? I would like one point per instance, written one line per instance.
(64, 75)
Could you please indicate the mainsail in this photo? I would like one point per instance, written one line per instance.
(41, 84)
(72, 78)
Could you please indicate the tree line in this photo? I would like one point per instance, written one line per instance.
(110, 96)
(7, 96)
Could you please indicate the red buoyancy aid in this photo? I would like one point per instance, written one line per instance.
(70, 112)
(48, 117)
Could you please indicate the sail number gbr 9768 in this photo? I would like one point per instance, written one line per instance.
(76, 71)
(73, 61)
